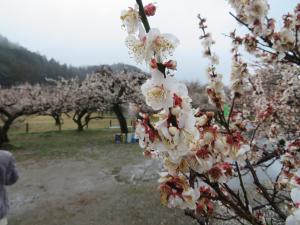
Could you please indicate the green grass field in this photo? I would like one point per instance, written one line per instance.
(46, 123)
(45, 141)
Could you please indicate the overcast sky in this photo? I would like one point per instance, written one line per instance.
(88, 32)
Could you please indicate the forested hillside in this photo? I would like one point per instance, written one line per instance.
(19, 65)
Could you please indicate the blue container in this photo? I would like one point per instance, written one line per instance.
(133, 139)
(118, 139)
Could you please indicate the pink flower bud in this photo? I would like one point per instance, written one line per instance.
(153, 63)
(150, 9)
(171, 64)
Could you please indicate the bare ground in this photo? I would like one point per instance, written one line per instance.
(85, 192)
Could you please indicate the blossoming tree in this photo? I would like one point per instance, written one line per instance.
(86, 97)
(17, 101)
(205, 153)
(123, 88)
(102, 91)
(58, 94)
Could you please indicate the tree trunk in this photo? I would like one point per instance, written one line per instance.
(77, 118)
(3, 137)
(121, 118)
(57, 120)
(4, 130)
(79, 126)
(87, 120)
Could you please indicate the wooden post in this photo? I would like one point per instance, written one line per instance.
(110, 123)
(27, 127)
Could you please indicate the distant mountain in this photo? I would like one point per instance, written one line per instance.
(19, 65)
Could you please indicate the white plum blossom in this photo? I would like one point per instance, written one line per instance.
(284, 40)
(131, 19)
(159, 45)
(153, 44)
(159, 91)
(256, 10)
(136, 48)
(252, 12)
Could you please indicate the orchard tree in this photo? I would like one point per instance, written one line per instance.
(58, 95)
(100, 91)
(85, 98)
(123, 88)
(19, 101)
(204, 152)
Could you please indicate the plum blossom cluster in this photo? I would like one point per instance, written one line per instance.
(170, 132)
(265, 37)
(204, 152)
(181, 136)
(215, 89)
(251, 12)
(291, 178)
(145, 47)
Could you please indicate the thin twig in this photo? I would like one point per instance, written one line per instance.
(242, 185)
(231, 110)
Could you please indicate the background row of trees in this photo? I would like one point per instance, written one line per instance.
(101, 91)
(107, 89)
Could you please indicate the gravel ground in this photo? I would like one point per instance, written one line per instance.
(82, 192)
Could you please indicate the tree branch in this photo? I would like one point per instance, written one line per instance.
(265, 192)
(242, 185)
(143, 15)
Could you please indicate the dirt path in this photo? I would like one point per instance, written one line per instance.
(82, 192)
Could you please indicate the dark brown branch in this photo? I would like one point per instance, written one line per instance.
(143, 15)
(229, 202)
(220, 217)
(144, 19)
(267, 157)
(5, 112)
(242, 185)
(236, 196)
(191, 213)
(232, 205)
(265, 192)
(254, 133)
